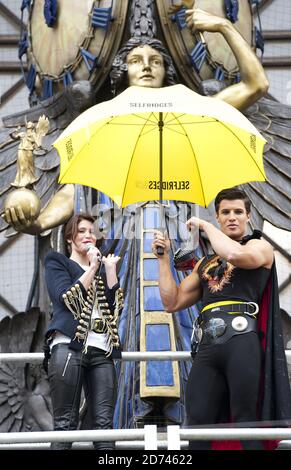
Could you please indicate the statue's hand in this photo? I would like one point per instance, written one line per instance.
(200, 20)
(185, 3)
(15, 217)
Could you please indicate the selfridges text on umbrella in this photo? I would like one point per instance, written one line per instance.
(161, 143)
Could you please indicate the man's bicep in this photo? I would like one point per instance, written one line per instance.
(256, 254)
(189, 291)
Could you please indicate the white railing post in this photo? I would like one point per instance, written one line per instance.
(150, 437)
(173, 436)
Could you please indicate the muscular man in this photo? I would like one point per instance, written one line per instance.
(145, 62)
(227, 366)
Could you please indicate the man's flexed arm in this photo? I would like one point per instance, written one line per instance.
(174, 297)
(255, 254)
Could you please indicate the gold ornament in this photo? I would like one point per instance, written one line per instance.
(26, 199)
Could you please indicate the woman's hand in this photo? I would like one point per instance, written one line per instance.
(110, 261)
(94, 256)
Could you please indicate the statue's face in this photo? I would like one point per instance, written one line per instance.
(145, 67)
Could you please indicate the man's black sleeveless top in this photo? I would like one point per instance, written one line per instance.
(221, 281)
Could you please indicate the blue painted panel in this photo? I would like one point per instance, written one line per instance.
(152, 299)
(158, 373)
(150, 270)
(151, 217)
(147, 242)
(158, 337)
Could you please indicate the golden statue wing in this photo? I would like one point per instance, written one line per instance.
(22, 387)
(60, 110)
(41, 129)
(272, 199)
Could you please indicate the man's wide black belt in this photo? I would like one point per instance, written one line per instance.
(219, 326)
(250, 308)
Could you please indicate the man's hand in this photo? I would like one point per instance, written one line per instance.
(160, 240)
(15, 217)
(195, 223)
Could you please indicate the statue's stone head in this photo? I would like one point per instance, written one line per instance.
(118, 74)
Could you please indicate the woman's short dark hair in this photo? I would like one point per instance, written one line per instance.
(231, 194)
(71, 228)
(118, 74)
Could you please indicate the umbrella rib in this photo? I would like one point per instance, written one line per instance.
(199, 175)
(174, 117)
(194, 122)
(140, 116)
(133, 152)
(224, 125)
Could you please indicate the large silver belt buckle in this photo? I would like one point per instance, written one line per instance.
(239, 323)
(214, 328)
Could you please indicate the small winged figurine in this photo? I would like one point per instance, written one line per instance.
(30, 140)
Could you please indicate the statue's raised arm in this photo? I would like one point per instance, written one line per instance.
(254, 83)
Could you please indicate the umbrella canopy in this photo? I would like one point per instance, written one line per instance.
(154, 143)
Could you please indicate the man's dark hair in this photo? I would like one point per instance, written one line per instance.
(118, 74)
(231, 194)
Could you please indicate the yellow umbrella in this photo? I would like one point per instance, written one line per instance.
(161, 143)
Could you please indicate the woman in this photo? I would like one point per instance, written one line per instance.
(82, 334)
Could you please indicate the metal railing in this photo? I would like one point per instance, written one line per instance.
(146, 438)
(125, 356)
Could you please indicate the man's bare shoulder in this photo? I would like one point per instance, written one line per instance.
(265, 248)
(261, 244)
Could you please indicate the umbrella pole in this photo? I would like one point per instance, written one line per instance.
(160, 250)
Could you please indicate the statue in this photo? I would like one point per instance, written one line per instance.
(29, 141)
(59, 203)
(24, 200)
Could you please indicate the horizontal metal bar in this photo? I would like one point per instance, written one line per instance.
(10, 67)
(125, 356)
(71, 436)
(122, 435)
(270, 35)
(276, 61)
(119, 445)
(234, 434)
(9, 39)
